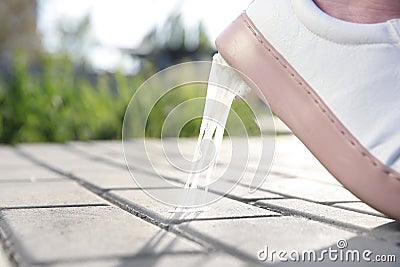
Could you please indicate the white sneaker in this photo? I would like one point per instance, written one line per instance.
(336, 84)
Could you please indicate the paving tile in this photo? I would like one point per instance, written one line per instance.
(294, 159)
(115, 145)
(325, 213)
(78, 164)
(312, 189)
(221, 209)
(359, 207)
(251, 235)
(389, 232)
(14, 166)
(9, 158)
(4, 262)
(307, 189)
(164, 166)
(116, 179)
(61, 158)
(310, 173)
(112, 152)
(51, 151)
(77, 234)
(45, 194)
(241, 192)
(207, 260)
(31, 173)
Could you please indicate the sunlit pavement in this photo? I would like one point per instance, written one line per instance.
(75, 204)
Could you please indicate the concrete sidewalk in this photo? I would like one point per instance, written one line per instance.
(76, 205)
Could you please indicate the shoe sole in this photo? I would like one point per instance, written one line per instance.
(296, 103)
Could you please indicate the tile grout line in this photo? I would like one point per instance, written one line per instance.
(53, 206)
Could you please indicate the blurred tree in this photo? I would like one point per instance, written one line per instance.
(18, 31)
(75, 38)
(174, 43)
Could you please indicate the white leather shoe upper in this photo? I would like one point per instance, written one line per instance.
(354, 68)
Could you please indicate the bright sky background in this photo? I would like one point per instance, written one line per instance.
(123, 23)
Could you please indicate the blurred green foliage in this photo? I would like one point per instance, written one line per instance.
(241, 119)
(54, 104)
(166, 104)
